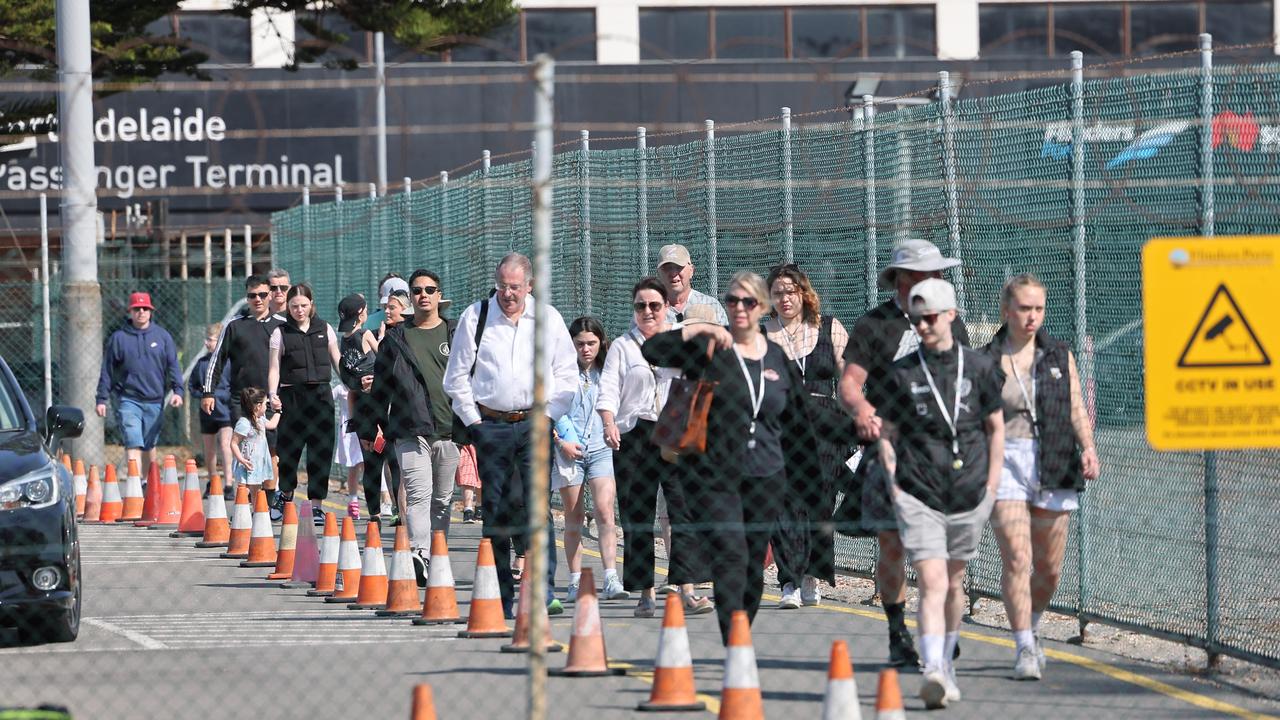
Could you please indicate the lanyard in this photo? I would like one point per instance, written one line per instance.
(791, 348)
(757, 395)
(951, 420)
(1028, 398)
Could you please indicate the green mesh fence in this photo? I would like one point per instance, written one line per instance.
(1137, 554)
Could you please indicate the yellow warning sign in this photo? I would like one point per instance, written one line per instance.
(1211, 322)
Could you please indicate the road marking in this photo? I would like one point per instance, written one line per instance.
(149, 643)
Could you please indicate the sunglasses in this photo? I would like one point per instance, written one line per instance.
(928, 318)
(748, 303)
(652, 306)
(140, 309)
(425, 290)
(257, 295)
(279, 288)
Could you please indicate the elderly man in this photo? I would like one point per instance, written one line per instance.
(278, 283)
(675, 270)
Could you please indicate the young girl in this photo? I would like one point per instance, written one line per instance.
(215, 428)
(249, 443)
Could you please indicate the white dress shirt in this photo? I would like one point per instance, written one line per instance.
(630, 387)
(503, 378)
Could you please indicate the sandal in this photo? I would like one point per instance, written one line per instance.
(644, 608)
(694, 605)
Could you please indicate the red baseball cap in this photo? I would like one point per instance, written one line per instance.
(140, 300)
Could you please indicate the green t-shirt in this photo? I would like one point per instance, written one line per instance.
(431, 353)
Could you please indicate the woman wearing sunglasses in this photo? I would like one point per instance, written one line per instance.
(759, 399)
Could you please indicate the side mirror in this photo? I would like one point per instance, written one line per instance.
(63, 421)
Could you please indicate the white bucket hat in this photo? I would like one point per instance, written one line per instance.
(917, 255)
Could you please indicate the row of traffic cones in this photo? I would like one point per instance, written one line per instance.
(166, 505)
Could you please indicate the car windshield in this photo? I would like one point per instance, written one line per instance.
(11, 417)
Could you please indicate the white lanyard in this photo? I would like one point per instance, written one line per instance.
(951, 420)
(757, 396)
(791, 348)
(1028, 398)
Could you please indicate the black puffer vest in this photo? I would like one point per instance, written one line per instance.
(304, 357)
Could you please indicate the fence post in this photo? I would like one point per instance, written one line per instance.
(485, 159)
(248, 251)
(228, 261)
(306, 234)
(642, 153)
(383, 260)
(1213, 629)
(788, 214)
(584, 180)
(949, 169)
(1079, 250)
(444, 214)
(869, 136)
(713, 251)
(339, 245)
(46, 336)
(208, 277)
(903, 190)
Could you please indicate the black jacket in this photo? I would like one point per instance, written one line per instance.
(400, 402)
(243, 348)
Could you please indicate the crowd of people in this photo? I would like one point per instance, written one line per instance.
(922, 438)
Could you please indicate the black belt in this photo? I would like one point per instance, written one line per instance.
(512, 416)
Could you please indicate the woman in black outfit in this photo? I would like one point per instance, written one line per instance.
(759, 400)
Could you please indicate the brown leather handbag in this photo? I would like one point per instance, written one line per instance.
(681, 428)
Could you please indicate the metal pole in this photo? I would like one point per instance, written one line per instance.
(303, 250)
(869, 127)
(380, 110)
(1213, 629)
(248, 251)
(1081, 288)
(228, 269)
(184, 271)
(46, 335)
(903, 189)
(949, 167)
(642, 202)
(714, 270)
(584, 238)
(384, 260)
(208, 278)
(540, 435)
(484, 205)
(788, 218)
(444, 222)
(81, 293)
(339, 244)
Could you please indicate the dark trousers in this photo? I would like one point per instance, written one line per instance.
(307, 422)
(740, 512)
(371, 481)
(639, 471)
(502, 458)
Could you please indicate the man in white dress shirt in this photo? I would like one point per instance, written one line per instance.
(492, 392)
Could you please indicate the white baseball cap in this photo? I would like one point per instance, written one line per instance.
(931, 296)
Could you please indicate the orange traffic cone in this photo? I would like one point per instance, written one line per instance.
(520, 642)
(424, 707)
(327, 576)
(889, 697)
(241, 527)
(740, 699)
(485, 619)
(92, 500)
(373, 573)
(841, 702)
(402, 584)
(132, 494)
(216, 529)
(170, 511)
(288, 548)
(66, 462)
(151, 501)
(673, 688)
(81, 483)
(441, 607)
(262, 541)
(587, 656)
(348, 564)
(191, 521)
(111, 502)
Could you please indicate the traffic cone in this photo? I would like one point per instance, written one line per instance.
(841, 702)
(327, 576)
(889, 697)
(262, 542)
(587, 656)
(424, 707)
(287, 550)
(132, 494)
(740, 699)
(306, 561)
(111, 502)
(191, 521)
(92, 500)
(373, 573)
(520, 642)
(66, 462)
(441, 607)
(673, 688)
(216, 529)
(485, 619)
(81, 483)
(151, 501)
(402, 584)
(241, 526)
(348, 564)
(170, 512)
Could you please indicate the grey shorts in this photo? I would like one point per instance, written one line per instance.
(927, 533)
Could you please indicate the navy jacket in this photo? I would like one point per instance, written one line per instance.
(140, 365)
(221, 393)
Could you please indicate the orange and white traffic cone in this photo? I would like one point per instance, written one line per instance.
(373, 573)
(151, 498)
(81, 483)
(191, 521)
(841, 702)
(441, 607)
(217, 531)
(486, 619)
(424, 706)
(241, 526)
(111, 502)
(288, 547)
(673, 688)
(587, 656)
(520, 642)
(262, 541)
(327, 576)
(348, 564)
(170, 512)
(132, 494)
(402, 584)
(889, 697)
(740, 699)
(92, 500)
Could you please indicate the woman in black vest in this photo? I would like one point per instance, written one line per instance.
(1048, 456)
(304, 353)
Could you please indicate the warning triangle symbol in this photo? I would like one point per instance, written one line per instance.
(1223, 337)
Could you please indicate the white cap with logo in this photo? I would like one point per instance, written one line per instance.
(931, 296)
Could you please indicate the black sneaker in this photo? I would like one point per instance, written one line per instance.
(275, 504)
(479, 517)
(468, 516)
(902, 651)
(317, 514)
(419, 566)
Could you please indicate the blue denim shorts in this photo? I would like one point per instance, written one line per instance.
(139, 422)
(595, 463)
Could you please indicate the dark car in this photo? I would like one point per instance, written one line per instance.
(39, 546)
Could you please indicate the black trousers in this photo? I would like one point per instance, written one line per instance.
(306, 422)
(740, 514)
(371, 480)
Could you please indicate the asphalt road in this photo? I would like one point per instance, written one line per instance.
(174, 631)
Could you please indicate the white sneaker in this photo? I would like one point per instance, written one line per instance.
(933, 691)
(1040, 652)
(790, 597)
(809, 593)
(953, 689)
(1027, 666)
(613, 589)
